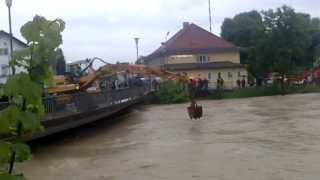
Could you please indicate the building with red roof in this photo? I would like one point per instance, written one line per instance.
(200, 54)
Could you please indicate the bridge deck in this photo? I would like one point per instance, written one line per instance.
(69, 111)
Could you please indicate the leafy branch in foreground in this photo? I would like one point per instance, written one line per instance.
(24, 91)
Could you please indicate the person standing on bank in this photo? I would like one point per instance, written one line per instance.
(243, 82)
(238, 83)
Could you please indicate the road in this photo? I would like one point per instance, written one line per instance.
(268, 138)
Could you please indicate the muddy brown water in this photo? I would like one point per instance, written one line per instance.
(268, 138)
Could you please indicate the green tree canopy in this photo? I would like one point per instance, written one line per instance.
(285, 39)
(25, 91)
(274, 40)
(244, 29)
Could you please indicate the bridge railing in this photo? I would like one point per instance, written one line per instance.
(83, 101)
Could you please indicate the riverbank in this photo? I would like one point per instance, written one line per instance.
(173, 93)
(262, 91)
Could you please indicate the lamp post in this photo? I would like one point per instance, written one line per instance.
(210, 21)
(9, 4)
(136, 39)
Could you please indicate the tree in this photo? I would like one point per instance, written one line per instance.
(25, 90)
(286, 38)
(313, 52)
(274, 40)
(244, 29)
(58, 63)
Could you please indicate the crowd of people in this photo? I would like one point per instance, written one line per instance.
(116, 83)
(241, 83)
(199, 87)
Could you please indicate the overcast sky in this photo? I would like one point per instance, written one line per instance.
(105, 28)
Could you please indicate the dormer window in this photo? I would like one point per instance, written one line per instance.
(203, 59)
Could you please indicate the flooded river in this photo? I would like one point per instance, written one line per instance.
(268, 138)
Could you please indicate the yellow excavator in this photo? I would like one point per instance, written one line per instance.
(81, 79)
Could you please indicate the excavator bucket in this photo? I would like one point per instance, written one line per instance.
(195, 111)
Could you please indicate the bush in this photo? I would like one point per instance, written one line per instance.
(275, 89)
(172, 92)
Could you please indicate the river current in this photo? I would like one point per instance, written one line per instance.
(268, 138)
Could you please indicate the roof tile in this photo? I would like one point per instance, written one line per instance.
(193, 38)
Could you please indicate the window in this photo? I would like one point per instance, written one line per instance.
(239, 74)
(4, 70)
(203, 59)
(4, 51)
(229, 75)
(209, 75)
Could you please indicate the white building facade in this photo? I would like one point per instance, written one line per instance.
(5, 70)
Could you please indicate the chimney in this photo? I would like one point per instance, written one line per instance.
(185, 25)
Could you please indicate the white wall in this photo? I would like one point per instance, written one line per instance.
(4, 59)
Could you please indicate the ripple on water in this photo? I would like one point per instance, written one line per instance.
(268, 138)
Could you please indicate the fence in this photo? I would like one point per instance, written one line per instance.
(80, 102)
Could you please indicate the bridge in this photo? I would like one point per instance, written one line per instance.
(65, 112)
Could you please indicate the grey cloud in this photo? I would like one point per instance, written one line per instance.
(106, 28)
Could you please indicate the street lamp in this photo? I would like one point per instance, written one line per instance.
(210, 21)
(9, 4)
(136, 39)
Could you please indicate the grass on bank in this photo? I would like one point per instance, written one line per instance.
(262, 91)
(172, 92)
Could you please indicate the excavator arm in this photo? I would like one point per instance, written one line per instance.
(83, 82)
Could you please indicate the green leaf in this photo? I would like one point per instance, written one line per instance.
(21, 85)
(31, 122)
(43, 37)
(1, 90)
(5, 152)
(4, 125)
(25, 90)
(20, 57)
(23, 152)
(8, 119)
(5, 176)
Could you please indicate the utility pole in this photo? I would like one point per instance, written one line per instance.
(136, 39)
(167, 35)
(210, 20)
(9, 4)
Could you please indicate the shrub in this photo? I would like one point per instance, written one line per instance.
(272, 90)
(172, 92)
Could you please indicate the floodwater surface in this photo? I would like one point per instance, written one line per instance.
(268, 138)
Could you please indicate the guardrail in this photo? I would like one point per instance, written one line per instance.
(81, 102)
